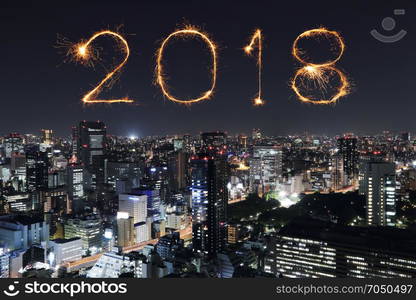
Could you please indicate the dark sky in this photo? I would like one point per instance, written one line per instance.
(39, 91)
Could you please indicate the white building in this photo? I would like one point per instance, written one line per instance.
(176, 221)
(134, 205)
(111, 265)
(65, 250)
(143, 232)
(22, 232)
(265, 169)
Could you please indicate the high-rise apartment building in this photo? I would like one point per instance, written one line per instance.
(378, 184)
(209, 177)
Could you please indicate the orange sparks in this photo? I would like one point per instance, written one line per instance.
(257, 36)
(316, 33)
(319, 74)
(160, 76)
(321, 80)
(83, 52)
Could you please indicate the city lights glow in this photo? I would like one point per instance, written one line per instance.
(161, 76)
(83, 52)
(257, 36)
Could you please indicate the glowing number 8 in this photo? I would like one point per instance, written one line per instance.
(317, 72)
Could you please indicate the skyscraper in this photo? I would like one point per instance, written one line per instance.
(338, 177)
(209, 177)
(91, 150)
(265, 168)
(347, 147)
(177, 163)
(379, 186)
(37, 165)
(75, 179)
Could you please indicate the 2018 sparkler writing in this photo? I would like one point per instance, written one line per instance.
(309, 78)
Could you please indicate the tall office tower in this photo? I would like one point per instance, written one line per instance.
(125, 230)
(157, 178)
(47, 136)
(379, 186)
(13, 143)
(265, 169)
(209, 177)
(347, 147)
(213, 142)
(75, 186)
(75, 140)
(177, 163)
(92, 150)
(134, 205)
(338, 176)
(18, 166)
(37, 164)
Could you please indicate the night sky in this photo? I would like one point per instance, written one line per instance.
(39, 90)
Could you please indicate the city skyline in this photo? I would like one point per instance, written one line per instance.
(381, 76)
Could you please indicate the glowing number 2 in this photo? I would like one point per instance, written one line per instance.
(84, 52)
(159, 66)
(248, 49)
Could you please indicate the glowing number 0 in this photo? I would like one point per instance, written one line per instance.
(317, 71)
(248, 49)
(84, 52)
(159, 66)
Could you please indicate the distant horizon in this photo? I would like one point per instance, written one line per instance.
(133, 134)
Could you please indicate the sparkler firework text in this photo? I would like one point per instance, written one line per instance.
(323, 77)
(318, 76)
(84, 53)
(257, 36)
(160, 76)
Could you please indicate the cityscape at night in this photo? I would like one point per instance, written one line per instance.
(211, 205)
(190, 139)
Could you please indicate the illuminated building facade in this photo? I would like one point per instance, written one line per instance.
(209, 203)
(37, 165)
(265, 169)
(308, 248)
(378, 184)
(65, 250)
(347, 148)
(89, 229)
(13, 143)
(134, 205)
(91, 150)
(125, 230)
(75, 186)
(4, 264)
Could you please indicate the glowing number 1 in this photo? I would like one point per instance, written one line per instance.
(248, 49)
